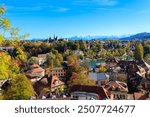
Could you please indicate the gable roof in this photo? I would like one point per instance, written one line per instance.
(50, 81)
(116, 86)
(35, 70)
(54, 81)
(34, 66)
(46, 82)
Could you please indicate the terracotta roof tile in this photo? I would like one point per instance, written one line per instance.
(141, 96)
(91, 89)
(116, 86)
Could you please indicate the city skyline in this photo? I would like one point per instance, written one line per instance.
(69, 18)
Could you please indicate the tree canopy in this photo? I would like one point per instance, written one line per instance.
(19, 89)
(139, 52)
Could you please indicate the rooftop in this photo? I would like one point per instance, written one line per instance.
(90, 89)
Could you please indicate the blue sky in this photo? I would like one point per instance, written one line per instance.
(66, 18)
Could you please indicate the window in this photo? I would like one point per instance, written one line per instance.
(120, 96)
(123, 96)
(114, 96)
(75, 97)
(117, 96)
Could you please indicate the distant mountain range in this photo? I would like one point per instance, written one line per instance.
(93, 37)
(141, 36)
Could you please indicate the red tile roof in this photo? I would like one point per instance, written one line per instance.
(90, 89)
(35, 70)
(55, 79)
(116, 86)
(34, 66)
(141, 96)
(47, 82)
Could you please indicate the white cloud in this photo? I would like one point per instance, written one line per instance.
(25, 8)
(107, 2)
(62, 9)
(98, 2)
(38, 8)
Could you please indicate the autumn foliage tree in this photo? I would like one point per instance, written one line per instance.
(80, 79)
(76, 74)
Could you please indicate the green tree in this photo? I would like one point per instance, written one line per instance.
(33, 60)
(51, 64)
(83, 45)
(20, 89)
(20, 54)
(139, 52)
(147, 58)
(4, 23)
(57, 63)
(8, 66)
(102, 69)
(1, 39)
(100, 46)
(147, 49)
(5, 61)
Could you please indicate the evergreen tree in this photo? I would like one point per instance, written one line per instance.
(139, 52)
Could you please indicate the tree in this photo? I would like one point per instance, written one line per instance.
(86, 65)
(20, 54)
(4, 23)
(147, 49)
(74, 63)
(102, 69)
(50, 60)
(57, 63)
(54, 60)
(139, 52)
(74, 66)
(5, 61)
(100, 46)
(20, 89)
(80, 79)
(51, 64)
(83, 45)
(1, 39)
(14, 67)
(33, 60)
(147, 58)
(8, 66)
